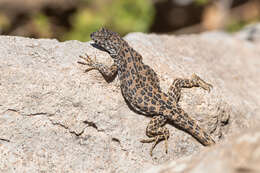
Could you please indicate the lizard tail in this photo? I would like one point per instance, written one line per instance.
(189, 125)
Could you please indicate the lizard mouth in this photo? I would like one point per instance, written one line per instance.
(96, 41)
(93, 38)
(98, 46)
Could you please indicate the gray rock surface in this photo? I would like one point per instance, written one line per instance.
(56, 118)
(240, 154)
(250, 33)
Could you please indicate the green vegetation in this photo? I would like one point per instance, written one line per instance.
(122, 16)
(202, 2)
(42, 25)
(238, 25)
(4, 22)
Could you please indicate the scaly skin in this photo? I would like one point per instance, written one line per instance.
(140, 88)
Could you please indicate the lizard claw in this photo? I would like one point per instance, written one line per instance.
(156, 140)
(205, 86)
(149, 141)
(88, 62)
(202, 83)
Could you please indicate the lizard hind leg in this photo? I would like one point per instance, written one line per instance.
(156, 132)
(179, 83)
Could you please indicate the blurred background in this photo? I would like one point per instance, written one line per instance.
(76, 19)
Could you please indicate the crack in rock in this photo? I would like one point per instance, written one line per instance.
(67, 128)
(116, 140)
(6, 140)
(92, 124)
(35, 114)
(11, 110)
(30, 114)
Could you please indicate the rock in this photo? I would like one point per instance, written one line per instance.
(240, 154)
(56, 118)
(250, 33)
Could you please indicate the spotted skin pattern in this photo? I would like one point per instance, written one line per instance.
(140, 87)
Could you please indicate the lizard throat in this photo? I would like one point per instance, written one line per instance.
(114, 53)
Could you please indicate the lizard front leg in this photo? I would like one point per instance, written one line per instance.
(107, 72)
(156, 132)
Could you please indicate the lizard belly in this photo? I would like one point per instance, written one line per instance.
(138, 91)
(131, 97)
(140, 101)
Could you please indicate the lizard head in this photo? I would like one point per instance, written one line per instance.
(108, 40)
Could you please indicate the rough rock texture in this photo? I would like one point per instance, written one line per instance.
(250, 33)
(241, 154)
(56, 118)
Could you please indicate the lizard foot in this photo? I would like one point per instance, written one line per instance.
(89, 62)
(156, 140)
(202, 83)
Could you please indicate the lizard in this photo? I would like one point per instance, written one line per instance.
(141, 89)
